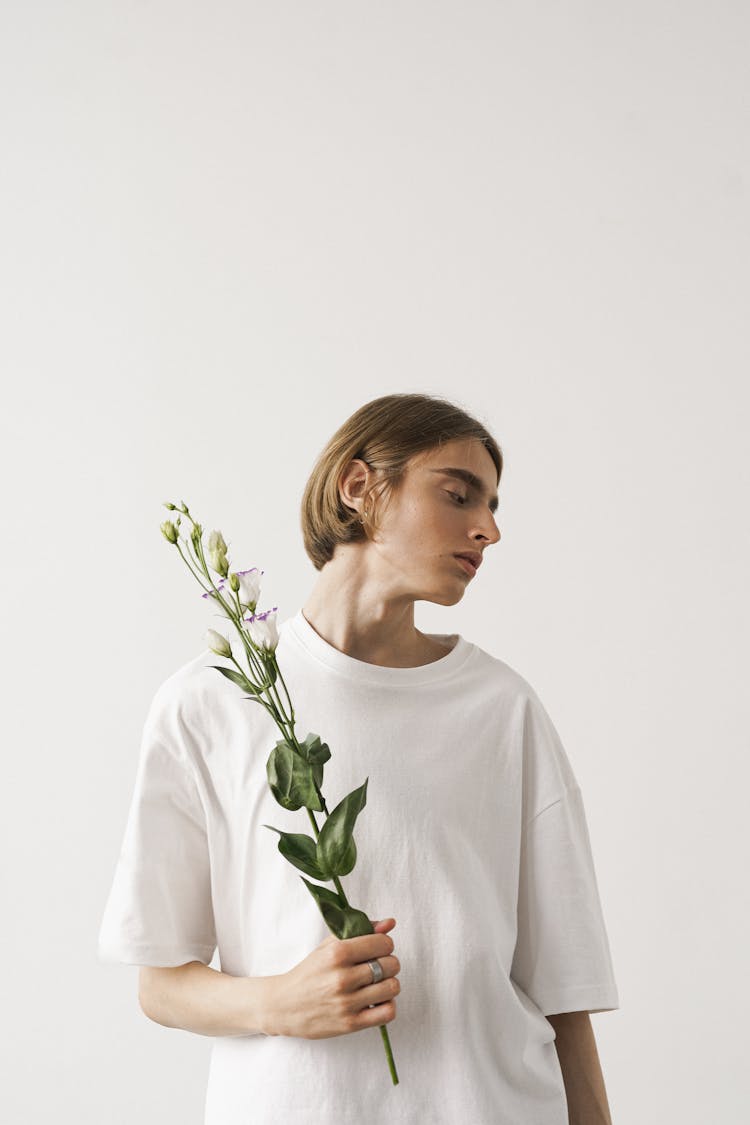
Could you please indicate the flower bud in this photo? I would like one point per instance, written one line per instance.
(169, 531)
(218, 563)
(234, 583)
(170, 506)
(218, 643)
(216, 542)
(263, 629)
(217, 553)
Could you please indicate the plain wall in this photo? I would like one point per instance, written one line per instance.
(226, 226)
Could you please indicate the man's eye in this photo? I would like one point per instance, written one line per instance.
(456, 496)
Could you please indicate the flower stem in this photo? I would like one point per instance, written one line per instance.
(389, 1053)
(273, 705)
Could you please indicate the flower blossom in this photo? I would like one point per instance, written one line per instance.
(249, 591)
(248, 583)
(263, 630)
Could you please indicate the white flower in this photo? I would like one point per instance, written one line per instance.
(218, 643)
(262, 629)
(214, 600)
(249, 591)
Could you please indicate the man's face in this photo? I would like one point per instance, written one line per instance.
(434, 516)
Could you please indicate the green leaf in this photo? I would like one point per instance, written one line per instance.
(314, 750)
(317, 754)
(346, 863)
(291, 779)
(238, 678)
(343, 921)
(324, 894)
(356, 924)
(336, 851)
(299, 849)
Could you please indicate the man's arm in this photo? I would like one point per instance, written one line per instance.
(581, 1071)
(197, 998)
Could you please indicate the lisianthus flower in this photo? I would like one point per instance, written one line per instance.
(249, 591)
(169, 531)
(302, 765)
(215, 542)
(218, 643)
(263, 630)
(217, 553)
(214, 598)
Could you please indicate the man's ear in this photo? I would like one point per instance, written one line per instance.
(353, 484)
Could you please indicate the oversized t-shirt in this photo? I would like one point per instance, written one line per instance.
(473, 837)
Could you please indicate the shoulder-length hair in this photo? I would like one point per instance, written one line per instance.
(385, 433)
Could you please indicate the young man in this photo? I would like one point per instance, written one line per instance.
(474, 836)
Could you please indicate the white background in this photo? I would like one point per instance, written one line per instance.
(225, 227)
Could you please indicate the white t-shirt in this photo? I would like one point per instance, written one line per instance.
(473, 838)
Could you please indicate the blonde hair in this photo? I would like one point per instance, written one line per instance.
(385, 433)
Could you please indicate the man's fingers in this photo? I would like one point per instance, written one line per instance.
(367, 947)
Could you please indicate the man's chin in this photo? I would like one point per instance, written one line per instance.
(442, 596)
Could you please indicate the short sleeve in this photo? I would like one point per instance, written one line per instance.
(159, 910)
(562, 958)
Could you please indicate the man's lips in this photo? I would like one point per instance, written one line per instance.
(467, 564)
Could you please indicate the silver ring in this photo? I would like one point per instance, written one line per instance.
(377, 971)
